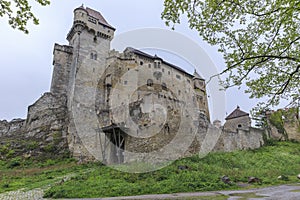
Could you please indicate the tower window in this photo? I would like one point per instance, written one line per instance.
(178, 76)
(93, 56)
(149, 82)
(164, 86)
(149, 65)
(158, 65)
(141, 63)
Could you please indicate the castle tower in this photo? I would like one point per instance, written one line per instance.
(89, 44)
(90, 37)
(200, 91)
(238, 119)
(77, 68)
(62, 59)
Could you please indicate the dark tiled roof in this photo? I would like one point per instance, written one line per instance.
(97, 15)
(236, 113)
(141, 53)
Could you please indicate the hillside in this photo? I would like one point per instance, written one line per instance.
(67, 179)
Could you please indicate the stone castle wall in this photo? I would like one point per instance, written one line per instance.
(42, 134)
(81, 102)
(10, 128)
(242, 140)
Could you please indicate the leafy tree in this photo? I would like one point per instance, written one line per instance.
(19, 13)
(259, 40)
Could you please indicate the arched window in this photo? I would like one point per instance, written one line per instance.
(164, 86)
(149, 82)
(93, 55)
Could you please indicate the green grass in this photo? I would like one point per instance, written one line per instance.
(95, 180)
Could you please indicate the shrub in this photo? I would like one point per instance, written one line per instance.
(10, 153)
(32, 145)
(15, 162)
(50, 148)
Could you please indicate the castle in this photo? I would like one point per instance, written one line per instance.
(128, 106)
(133, 89)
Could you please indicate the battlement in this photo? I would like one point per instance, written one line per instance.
(63, 48)
(62, 58)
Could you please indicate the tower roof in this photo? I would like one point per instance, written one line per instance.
(97, 15)
(236, 113)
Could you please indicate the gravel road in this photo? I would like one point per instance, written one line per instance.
(286, 192)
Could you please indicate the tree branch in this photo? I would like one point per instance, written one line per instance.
(285, 84)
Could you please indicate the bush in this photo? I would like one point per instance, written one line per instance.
(10, 153)
(15, 162)
(277, 121)
(50, 148)
(32, 145)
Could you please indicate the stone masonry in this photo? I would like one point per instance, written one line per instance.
(117, 107)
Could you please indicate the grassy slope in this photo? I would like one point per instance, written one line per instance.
(95, 180)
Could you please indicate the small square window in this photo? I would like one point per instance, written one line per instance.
(125, 82)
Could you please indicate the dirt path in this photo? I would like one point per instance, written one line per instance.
(282, 192)
(286, 192)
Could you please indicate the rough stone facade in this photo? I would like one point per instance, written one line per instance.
(119, 107)
(238, 119)
(42, 134)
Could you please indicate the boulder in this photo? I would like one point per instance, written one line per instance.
(252, 179)
(225, 179)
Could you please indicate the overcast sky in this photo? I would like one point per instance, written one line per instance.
(26, 60)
